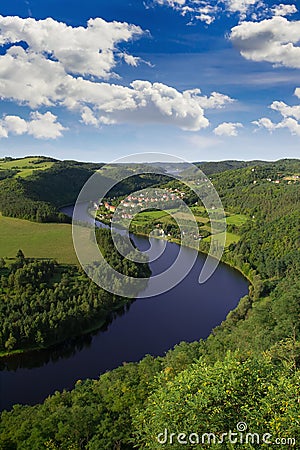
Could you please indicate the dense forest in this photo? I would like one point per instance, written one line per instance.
(42, 302)
(246, 371)
(213, 167)
(37, 197)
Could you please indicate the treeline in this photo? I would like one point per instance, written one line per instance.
(136, 183)
(7, 173)
(42, 302)
(249, 190)
(139, 405)
(15, 201)
(214, 167)
(38, 197)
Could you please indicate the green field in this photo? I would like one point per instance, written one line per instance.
(37, 240)
(51, 240)
(236, 219)
(25, 166)
(230, 238)
(148, 217)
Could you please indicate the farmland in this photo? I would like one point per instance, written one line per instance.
(25, 166)
(38, 240)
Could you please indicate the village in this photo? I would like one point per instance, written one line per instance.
(146, 199)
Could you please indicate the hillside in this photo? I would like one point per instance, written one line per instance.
(246, 371)
(44, 187)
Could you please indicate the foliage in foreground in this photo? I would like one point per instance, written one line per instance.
(130, 406)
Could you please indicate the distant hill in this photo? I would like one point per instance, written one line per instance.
(213, 167)
(33, 188)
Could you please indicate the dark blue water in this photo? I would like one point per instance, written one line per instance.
(188, 312)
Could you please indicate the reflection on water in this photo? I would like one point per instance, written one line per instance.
(187, 312)
(66, 349)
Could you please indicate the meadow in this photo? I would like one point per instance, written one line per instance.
(25, 166)
(37, 240)
(146, 218)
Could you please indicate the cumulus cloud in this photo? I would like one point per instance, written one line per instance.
(43, 74)
(286, 110)
(146, 102)
(79, 50)
(44, 126)
(14, 124)
(290, 114)
(284, 10)
(291, 124)
(228, 129)
(273, 40)
(41, 126)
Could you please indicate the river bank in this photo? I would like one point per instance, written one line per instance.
(99, 324)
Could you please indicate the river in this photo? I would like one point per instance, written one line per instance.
(153, 325)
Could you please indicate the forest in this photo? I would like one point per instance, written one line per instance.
(43, 303)
(246, 371)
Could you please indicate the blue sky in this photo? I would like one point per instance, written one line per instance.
(102, 79)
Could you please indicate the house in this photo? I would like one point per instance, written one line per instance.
(111, 208)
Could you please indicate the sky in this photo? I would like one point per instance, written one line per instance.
(201, 80)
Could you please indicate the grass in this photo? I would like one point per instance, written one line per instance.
(236, 219)
(26, 166)
(230, 238)
(37, 240)
(148, 217)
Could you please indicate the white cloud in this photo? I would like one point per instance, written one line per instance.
(145, 102)
(284, 10)
(228, 129)
(286, 110)
(15, 124)
(199, 10)
(290, 114)
(44, 126)
(41, 126)
(291, 124)
(206, 13)
(3, 132)
(79, 50)
(266, 123)
(43, 75)
(131, 60)
(214, 101)
(208, 10)
(172, 3)
(273, 40)
(88, 117)
(241, 6)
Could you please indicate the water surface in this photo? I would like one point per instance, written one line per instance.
(153, 325)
